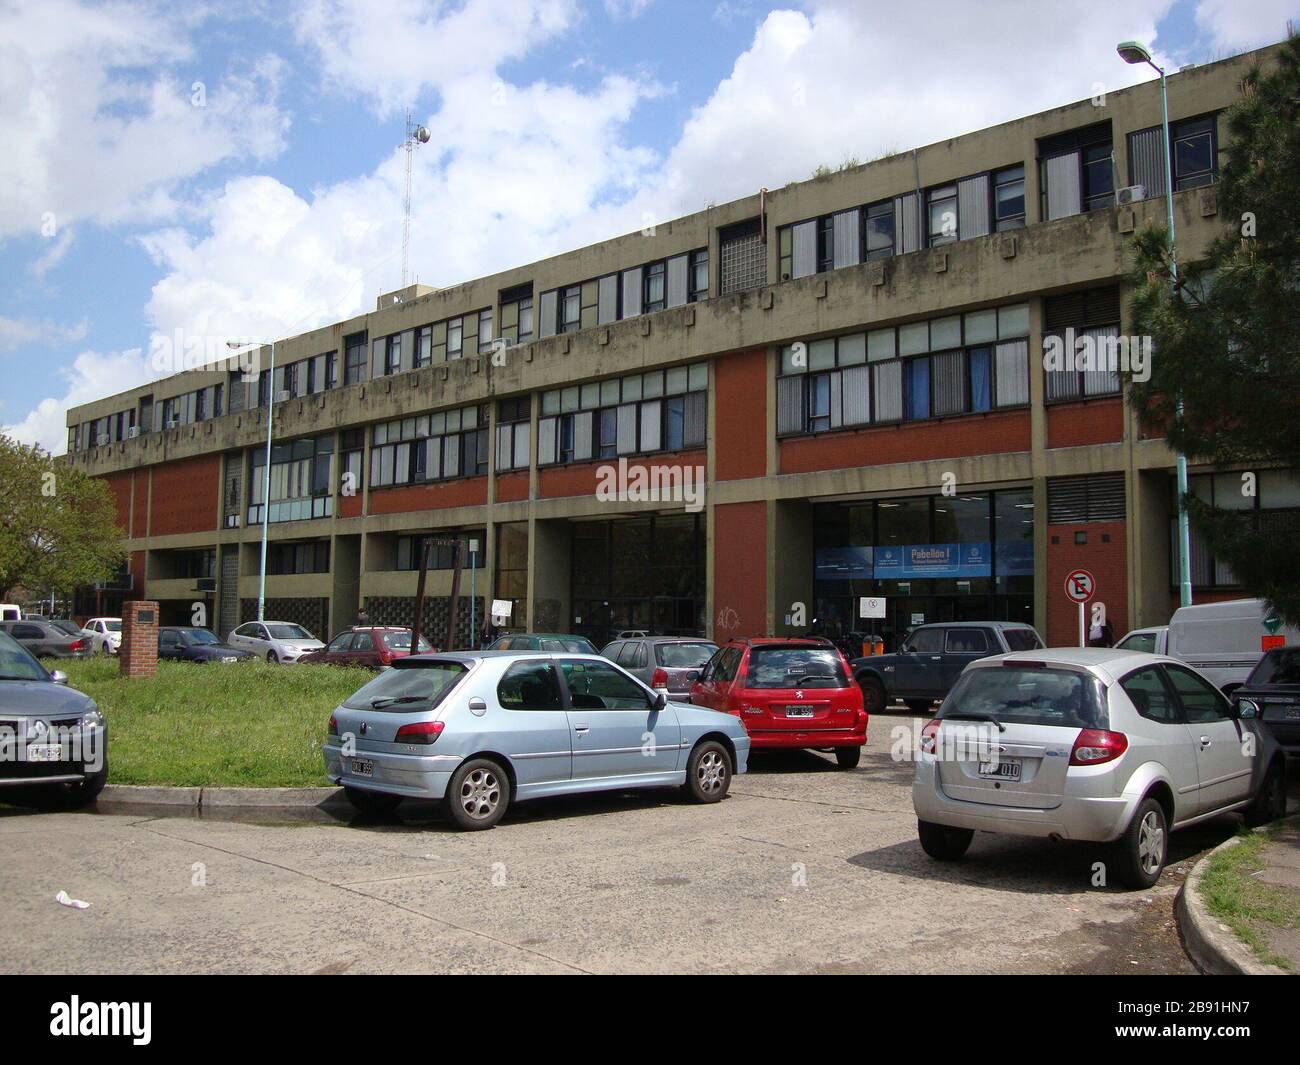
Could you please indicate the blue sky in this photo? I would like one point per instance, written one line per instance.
(267, 199)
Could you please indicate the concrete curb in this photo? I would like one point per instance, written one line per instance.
(225, 798)
(1211, 945)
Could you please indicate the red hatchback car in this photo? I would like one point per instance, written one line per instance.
(373, 648)
(788, 693)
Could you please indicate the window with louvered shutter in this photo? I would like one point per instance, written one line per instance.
(855, 395)
(627, 429)
(887, 384)
(582, 429)
(546, 439)
(696, 419)
(1077, 500)
(789, 405)
(1011, 372)
(949, 371)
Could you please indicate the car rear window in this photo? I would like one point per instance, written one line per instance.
(1028, 695)
(414, 686)
(795, 667)
(401, 641)
(1277, 667)
(683, 655)
(1022, 639)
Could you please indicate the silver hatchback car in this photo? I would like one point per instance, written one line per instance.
(1110, 746)
(482, 729)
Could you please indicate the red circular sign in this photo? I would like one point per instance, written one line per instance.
(1080, 585)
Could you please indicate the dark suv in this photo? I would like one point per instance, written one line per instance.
(1272, 694)
(932, 658)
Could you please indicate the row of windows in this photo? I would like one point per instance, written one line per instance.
(431, 447)
(670, 282)
(314, 557)
(299, 480)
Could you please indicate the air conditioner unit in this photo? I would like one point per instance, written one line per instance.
(1131, 194)
(282, 396)
(132, 432)
(174, 423)
(207, 584)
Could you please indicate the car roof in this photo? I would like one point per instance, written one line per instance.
(781, 641)
(1110, 663)
(974, 625)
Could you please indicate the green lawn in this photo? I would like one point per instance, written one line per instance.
(1247, 905)
(244, 724)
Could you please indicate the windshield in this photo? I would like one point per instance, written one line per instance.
(1277, 667)
(401, 641)
(289, 632)
(1028, 695)
(194, 636)
(16, 663)
(683, 655)
(409, 689)
(795, 667)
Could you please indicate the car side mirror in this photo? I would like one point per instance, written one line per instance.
(1247, 709)
(59, 677)
(661, 700)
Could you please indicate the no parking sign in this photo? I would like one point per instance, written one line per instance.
(1080, 586)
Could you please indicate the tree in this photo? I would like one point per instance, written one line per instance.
(58, 526)
(1226, 339)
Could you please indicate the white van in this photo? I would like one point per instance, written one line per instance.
(1223, 640)
(9, 612)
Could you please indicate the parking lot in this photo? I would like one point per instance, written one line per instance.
(804, 868)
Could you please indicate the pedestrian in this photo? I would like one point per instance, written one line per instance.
(363, 619)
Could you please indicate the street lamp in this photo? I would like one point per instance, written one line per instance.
(234, 345)
(1135, 54)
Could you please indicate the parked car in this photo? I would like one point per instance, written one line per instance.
(276, 641)
(105, 635)
(1272, 694)
(46, 640)
(183, 643)
(1225, 641)
(787, 693)
(480, 730)
(61, 732)
(555, 642)
(1098, 744)
(69, 628)
(931, 659)
(666, 663)
(10, 612)
(372, 647)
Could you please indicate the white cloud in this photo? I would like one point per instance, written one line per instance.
(92, 375)
(98, 121)
(1243, 24)
(390, 51)
(620, 9)
(16, 332)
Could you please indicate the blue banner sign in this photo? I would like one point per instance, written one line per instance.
(843, 564)
(913, 561)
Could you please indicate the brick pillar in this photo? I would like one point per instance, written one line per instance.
(139, 651)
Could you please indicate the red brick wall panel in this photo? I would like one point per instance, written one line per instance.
(740, 421)
(1078, 424)
(464, 492)
(1108, 563)
(186, 496)
(739, 570)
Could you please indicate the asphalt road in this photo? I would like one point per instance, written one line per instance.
(804, 868)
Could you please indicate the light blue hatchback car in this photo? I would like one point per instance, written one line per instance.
(482, 729)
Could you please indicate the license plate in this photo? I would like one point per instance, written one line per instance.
(1000, 770)
(1293, 713)
(363, 767)
(43, 753)
(798, 711)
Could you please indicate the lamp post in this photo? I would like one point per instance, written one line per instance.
(266, 476)
(1134, 53)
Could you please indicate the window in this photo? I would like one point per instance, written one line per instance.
(1202, 702)
(354, 360)
(513, 427)
(298, 558)
(1082, 500)
(925, 641)
(1098, 176)
(300, 480)
(662, 410)
(602, 686)
(1194, 156)
(878, 233)
(958, 364)
(1150, 696)
(529, 685)
(571, 309)
(455, 338)
(517, 314)
(1076, 171)
(825, 243)
(743, 256)
(941, 204)
(423, 346)
(1082, 347)
(1139, 641)
(485, 330)
(966, 642)
(341, 642)
(430, 447)
(442, 551)
(655, 290)
(393, 356)
(699, 276)
(1009, 198)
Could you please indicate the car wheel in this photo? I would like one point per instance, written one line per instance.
(478, 794)
(943, 843)
(708, 772)
(272, 658)
(873, 695)
(372, 802)
(919, 706)
(1270, 801)
(848, 757)
(1140, 853)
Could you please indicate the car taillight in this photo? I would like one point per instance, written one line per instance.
(659, 679)
(1095, 746)
(929, 737)
(77, 645)
(419, 732)
(385, 655)
(334, 725)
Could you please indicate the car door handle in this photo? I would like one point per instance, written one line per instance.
(1205, 742)
(581, 728)
(936, 658)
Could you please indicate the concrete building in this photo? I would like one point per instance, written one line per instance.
(850, 368)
